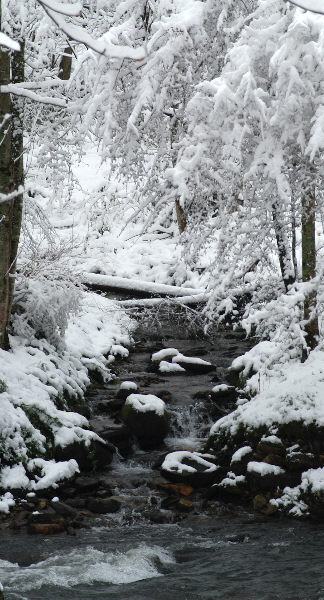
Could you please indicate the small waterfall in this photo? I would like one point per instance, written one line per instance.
(189, 426)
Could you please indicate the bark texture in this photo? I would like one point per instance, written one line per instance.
(309, 262)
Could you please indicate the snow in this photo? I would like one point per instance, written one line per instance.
(290, 392)
(166, 367)
(164, 353)
(192, 360)
(222, 387)
(173, 462)
(263, 468)
(240, 453)
(141, 286)
(6, 502)
(315, 6)
(14, 477)
(52, 472)
(146, 403)
(128, 385)
(5, 40)
(314, 479)
(232, 480)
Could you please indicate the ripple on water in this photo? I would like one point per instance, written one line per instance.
(88, 566)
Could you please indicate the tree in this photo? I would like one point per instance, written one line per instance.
(251, 153)
(13, 87)
(138, 111)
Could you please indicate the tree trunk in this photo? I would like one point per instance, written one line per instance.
(286, 268)
(66, 64)
(17, 76)
(309, 262)
(181, 217)
(6, 186)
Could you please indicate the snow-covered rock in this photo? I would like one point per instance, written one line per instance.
(193, 468)
(146, 416)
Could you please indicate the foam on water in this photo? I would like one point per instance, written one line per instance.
(86, 566)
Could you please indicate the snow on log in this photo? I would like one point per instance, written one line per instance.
(151, 302)
(110, 282)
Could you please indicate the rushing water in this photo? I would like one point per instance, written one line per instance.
(220, 554)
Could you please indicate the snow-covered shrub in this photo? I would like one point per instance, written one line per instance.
(42, 309)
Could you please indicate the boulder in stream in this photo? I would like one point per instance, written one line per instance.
(191, 468)
(146, 416)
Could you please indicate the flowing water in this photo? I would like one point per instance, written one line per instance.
(213, 554)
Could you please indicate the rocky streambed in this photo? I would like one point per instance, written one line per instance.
(155, 507)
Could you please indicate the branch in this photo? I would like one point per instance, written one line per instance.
(101, 46)
(315, 6)
(5, 40)
(18, 91)
(7, 197)
(69, 10)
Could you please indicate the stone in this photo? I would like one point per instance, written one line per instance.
(259, 502)
(148, 426)
(46, 528)
(270, 445)
(176, 488)
(96, 456)
(86, 484)
(76, 502)
(64, 509)
(104, 505)
(184, 505)
(191, 468)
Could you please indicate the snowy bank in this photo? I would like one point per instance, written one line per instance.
(39, 383)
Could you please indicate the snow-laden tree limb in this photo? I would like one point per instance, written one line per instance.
(18, 91)
(5, 40)
(69, 10)
(315, 6)
(102, 46)
(7, 197)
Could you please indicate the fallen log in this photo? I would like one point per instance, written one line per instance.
(110, 283)
(151, 302)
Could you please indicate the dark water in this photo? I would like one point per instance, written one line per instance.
(212, 555)
(203, 559)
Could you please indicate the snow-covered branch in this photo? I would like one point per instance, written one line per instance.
(5, 40)
(69, 10)
(7, 197)
(315, 6)
(78, 34)
(27, 93)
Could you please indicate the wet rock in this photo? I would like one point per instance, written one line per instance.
(104, 505)
(259, 502)
(270, 445)
(300, 461)
(158, 516)
(261, 476)
(240, 460)
(119, 435)
(223, 393)
(86, 484)
(176, 488)
(147, 418)
(46, 528)
(64, 509)
(126, 388)
(76, 502)
(184, 505)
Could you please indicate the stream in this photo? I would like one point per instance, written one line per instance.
(147, 552)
